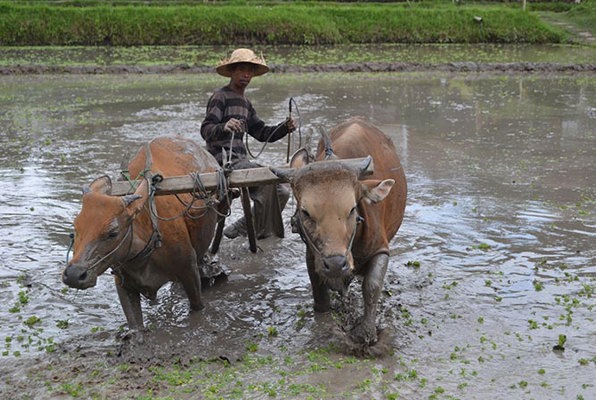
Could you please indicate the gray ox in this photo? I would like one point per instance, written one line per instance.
(146, 241)
(345, 222)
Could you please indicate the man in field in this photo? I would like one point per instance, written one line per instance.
(230, 115)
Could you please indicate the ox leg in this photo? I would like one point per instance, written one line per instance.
(222, 209)
(218, 234)
(320, 291)
(130, 300)
(248, 217)
(192, 286)
(372, 285)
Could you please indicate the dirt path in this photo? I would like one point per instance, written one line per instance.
(579, 35)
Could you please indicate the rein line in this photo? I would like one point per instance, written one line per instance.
(290, 102)
(128, 233)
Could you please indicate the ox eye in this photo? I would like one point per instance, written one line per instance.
(112, 230)
(352, 212)
(305, 213)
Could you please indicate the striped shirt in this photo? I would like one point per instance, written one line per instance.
(225, 104)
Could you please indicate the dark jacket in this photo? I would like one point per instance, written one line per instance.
(225, 104)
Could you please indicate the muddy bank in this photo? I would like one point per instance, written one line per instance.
(529, 67)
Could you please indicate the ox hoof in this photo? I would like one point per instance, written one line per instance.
(135, 336)
(322, 308)
(196, 307)
(364, 334)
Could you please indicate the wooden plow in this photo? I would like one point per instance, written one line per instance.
(241, 178)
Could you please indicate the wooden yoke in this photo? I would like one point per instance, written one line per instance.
(237, 178)
(210, 180)
(240, 178)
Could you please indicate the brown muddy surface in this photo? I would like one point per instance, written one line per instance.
(467, 66)
(490, 291)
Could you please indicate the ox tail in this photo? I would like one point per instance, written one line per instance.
(327, 144)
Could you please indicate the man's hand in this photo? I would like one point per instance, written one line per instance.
(234, 126)
(291, 125)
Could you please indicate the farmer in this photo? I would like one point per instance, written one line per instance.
(229, 116)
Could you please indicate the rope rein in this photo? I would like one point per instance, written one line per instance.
(290, 102)
(199, 192)
(101, 259)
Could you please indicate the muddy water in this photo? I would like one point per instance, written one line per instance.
(495, 261)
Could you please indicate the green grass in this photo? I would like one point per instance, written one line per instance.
(583, 16)
(131, 24)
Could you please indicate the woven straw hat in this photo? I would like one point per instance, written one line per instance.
(242, 56)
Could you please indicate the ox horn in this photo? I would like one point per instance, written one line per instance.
(362, 168)
(142, 190)
(364, 165)
(329, 155)
(285, 174)
(129, 198)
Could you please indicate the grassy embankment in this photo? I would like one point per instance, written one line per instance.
(131, 24)
(582, 15)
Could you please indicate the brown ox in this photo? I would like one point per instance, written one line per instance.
(345, 222)
(146, 241)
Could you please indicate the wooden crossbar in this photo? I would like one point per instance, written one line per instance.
(237, 178)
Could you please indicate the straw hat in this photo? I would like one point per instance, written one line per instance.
(242, 56)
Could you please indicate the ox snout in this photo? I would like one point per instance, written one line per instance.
(336, 272)
(336, 266)
(77, 277)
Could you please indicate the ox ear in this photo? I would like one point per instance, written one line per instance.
(133, 202)
(102, 185)
(299, 160)
(375, 190)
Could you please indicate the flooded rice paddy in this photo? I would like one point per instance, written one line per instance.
(490, 292)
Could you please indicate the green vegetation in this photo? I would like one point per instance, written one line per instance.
(215, 380)
(303, 56)
(186, 23)
(582, 15)
(32, 321)
(560, 346)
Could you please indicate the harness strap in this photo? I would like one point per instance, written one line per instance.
(155, 238)
(128, 233)
(149, 247)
